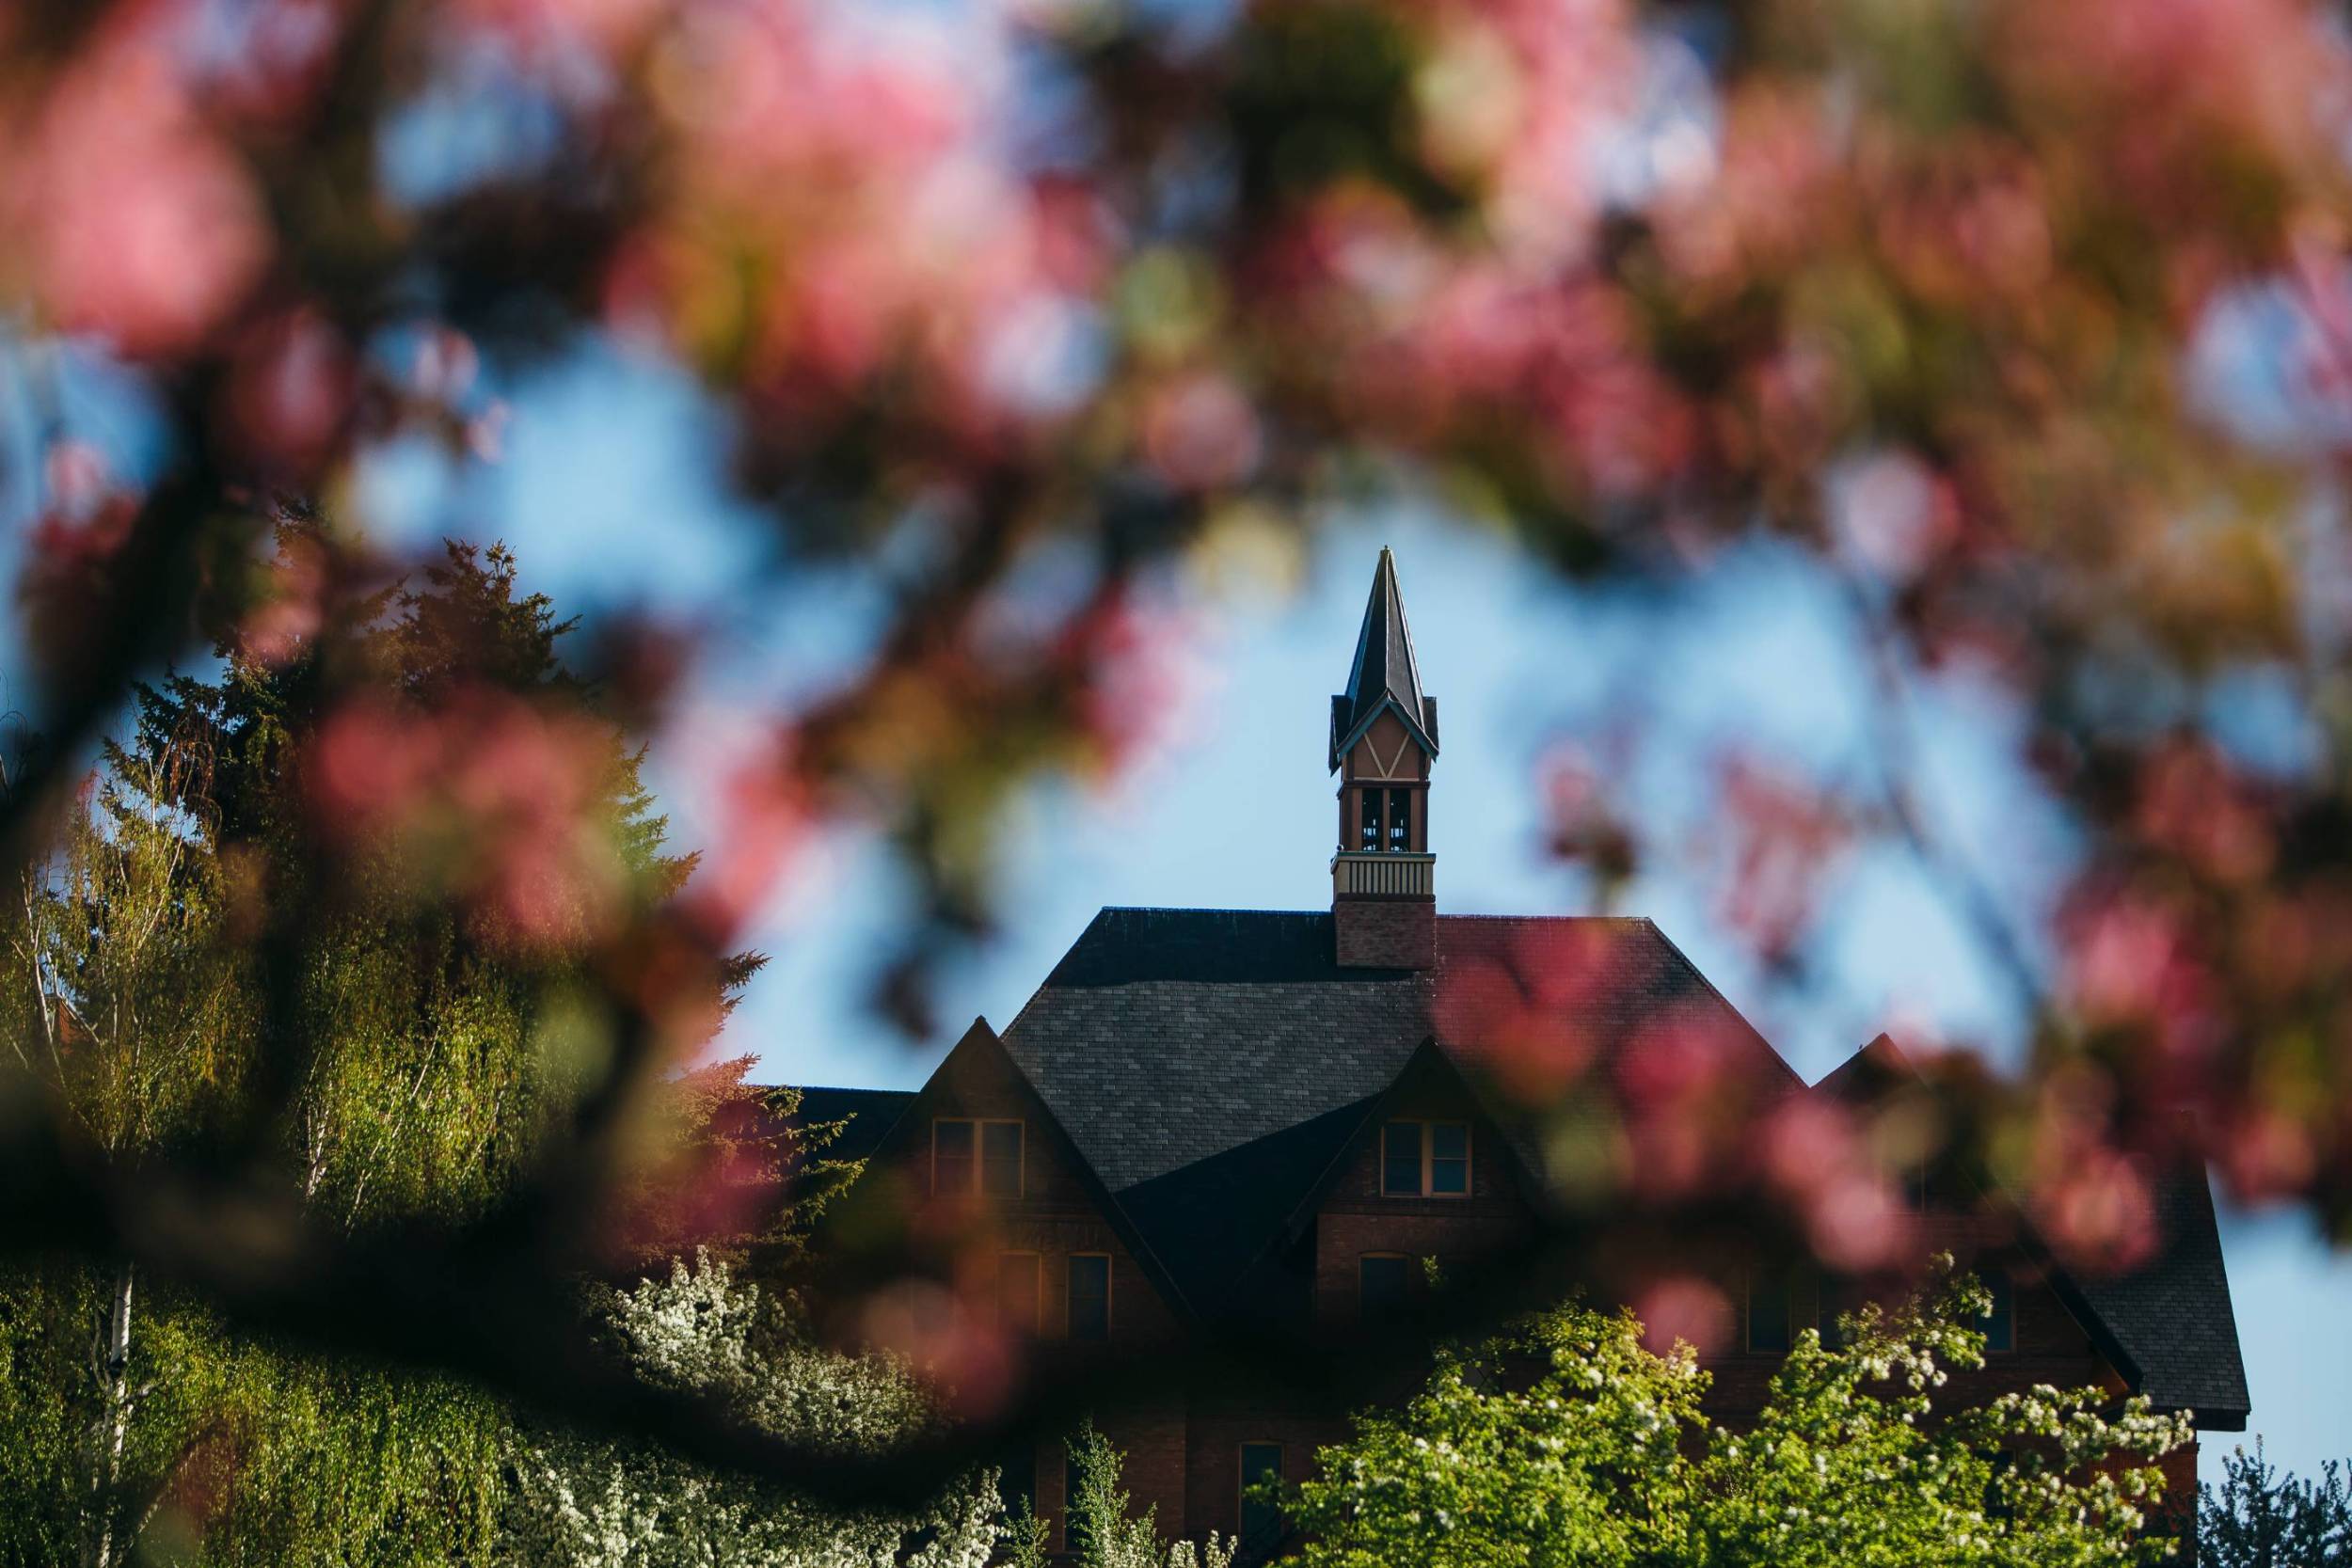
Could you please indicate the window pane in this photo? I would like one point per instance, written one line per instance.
(1089, 1297)
(1075, 1536)
(1370, 799)
(1379, 1285)
(1767, 1315)
(1449, 1157)
(1000, 1159)
(951, 1156)
(1400, 1159)
(1999, 1326)
(1016, 1480)
(1833, 1336)
(1016, 1290)
(1400, 818)
(1261, 1518)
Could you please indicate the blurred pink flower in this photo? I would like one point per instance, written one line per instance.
(2097, 1210)
(1200, 432)
(1687, 1309)
(1785, 837)
(291, 392)
(133, 219)
(498, 801)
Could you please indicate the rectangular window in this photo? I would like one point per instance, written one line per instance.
(1768, 1313)
(1380, 1283)
(1424, 1159)
(1999, 1326)
(1400, 1159)
(1075, 1537)
(1001, 1157)
(1399, 820)
(966, 1152)
(951, 1156)
(1090, 1297)
(1369, 803)
(1016, 1480)
(1449, 1159)
(1261, 1516)
(1827, 1312)
(1017, 1291)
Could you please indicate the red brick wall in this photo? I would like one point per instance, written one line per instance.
(1385, 933)
(1355, 1218)
(1055, 1217)
(1220, 1429)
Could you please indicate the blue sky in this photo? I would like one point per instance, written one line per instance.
(605, 487)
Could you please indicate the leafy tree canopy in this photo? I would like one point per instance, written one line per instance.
(1567, 1441)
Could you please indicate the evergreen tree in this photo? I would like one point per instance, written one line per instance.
(2260, 1517)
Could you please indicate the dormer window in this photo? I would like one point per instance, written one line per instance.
(966, 1150)
(1424, 1159)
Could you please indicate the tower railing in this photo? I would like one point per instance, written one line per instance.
(1375, 872)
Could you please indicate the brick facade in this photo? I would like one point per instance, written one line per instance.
(1385, 933)
(1183, 1456)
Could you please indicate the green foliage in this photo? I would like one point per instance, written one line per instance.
(1566, 1441)
(2259, 1517)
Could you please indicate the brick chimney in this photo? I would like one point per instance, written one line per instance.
(1384, 736)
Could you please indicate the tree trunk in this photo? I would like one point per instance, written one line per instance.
(110, 1363)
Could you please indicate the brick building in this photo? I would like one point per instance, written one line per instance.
(1205, 1118)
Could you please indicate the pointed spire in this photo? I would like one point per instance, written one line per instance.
(1385, 671)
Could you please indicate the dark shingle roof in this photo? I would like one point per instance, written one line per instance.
(2171, 1315)
(1384, 673)
(1210, 1064)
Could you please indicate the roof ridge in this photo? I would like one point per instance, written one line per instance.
(1580, 919)
(834, 1088)
(1700, 975)
(1318, 914)
(1189, 909)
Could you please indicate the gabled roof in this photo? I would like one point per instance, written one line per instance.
(1385, 674)
(1211, 1063)
(1207, 1068)
(2166, 1325)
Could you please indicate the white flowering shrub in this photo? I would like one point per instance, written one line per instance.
(1566, 1441)
(587, 1502)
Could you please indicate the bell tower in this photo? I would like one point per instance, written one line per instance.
(1384, 736)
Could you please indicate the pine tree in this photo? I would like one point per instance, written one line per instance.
(2259, 1517)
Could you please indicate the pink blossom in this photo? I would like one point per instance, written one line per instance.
(136, 221)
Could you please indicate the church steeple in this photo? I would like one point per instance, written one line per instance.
(1384, 736)
(1385, 671)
